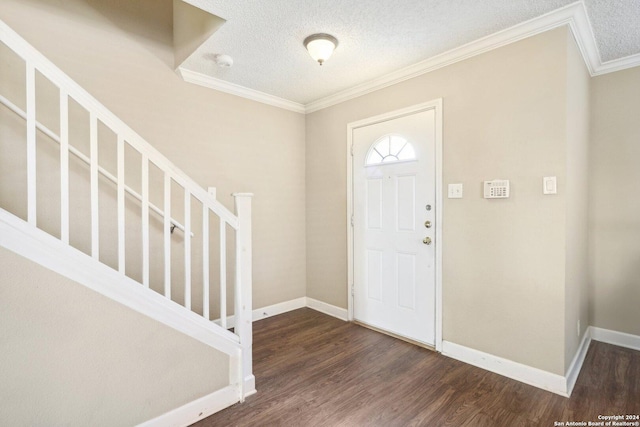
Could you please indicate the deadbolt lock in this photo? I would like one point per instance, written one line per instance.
(427, 224)
(427, 240)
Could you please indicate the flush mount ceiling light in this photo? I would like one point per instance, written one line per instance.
(320, 46)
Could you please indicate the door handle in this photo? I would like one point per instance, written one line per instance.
(426, 240)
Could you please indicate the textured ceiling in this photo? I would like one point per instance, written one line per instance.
(376, 37)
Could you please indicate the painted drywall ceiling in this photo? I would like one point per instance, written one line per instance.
(376, 37)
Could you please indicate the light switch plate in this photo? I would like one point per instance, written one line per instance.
(212, 191)
(455, 191)
(549, 185)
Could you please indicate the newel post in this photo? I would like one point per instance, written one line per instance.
(243, 290)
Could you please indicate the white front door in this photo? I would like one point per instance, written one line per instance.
(394, 222)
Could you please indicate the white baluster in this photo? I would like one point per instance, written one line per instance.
(31, 144)
(145, 220)
(64, 166)
(121, 207)
(167, 235)
(205, 261)
(223, 274)
(187, 249)
(95, 208)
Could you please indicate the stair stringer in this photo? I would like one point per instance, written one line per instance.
(46, 250)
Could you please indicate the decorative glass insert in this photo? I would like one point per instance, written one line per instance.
(390, 149)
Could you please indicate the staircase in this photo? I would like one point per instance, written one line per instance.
(174, 260)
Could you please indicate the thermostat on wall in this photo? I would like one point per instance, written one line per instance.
(496, 189)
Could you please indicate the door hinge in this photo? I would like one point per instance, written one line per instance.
(353, 290)
(352, 220)
(351, 150)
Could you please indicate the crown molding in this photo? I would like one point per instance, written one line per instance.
(573, 15)
(241, 91)
(551, 20)
(618, 65)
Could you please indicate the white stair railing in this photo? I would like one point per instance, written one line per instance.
(127, 139)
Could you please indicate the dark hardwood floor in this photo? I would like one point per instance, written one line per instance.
(314, 370)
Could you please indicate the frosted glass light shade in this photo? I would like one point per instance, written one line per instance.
(320, 46)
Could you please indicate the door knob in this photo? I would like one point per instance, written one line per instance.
(426, 240)
(427, 224)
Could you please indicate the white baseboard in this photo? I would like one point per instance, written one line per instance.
(270, 310)
(294, 304)
(576, 364)
(249, 385)
(275, 309)
(537, 377)
(331, 310)
(533, 376)
(197, 409)
(616, 338)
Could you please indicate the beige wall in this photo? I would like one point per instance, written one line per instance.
(192, 26)
(577, 201)
(514, 270)
(219, 140)
(614, 222)
(504, 260)
(79, 358)
(73, 357)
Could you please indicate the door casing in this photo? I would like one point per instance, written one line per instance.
(435, 105)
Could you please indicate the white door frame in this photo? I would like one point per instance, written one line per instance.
(435, 105)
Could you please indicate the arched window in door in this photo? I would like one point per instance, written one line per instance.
(390, 149)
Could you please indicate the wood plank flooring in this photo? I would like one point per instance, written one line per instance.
(314, 370)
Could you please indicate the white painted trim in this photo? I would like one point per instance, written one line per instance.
(576, 17)
(328, 309)
(533, 376)
(578, 360)
(49, 70)
(350, 227)
(269, 311)
(439, 214)
(573, 15)
(196, 410)
(249, 386)
(618, 65)
(241, 91)
(537, 377)
(621, 339)
(437, 106)
(46, 250)
(279, 308)
(294, 304)
(557, 18)
(244, 287)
